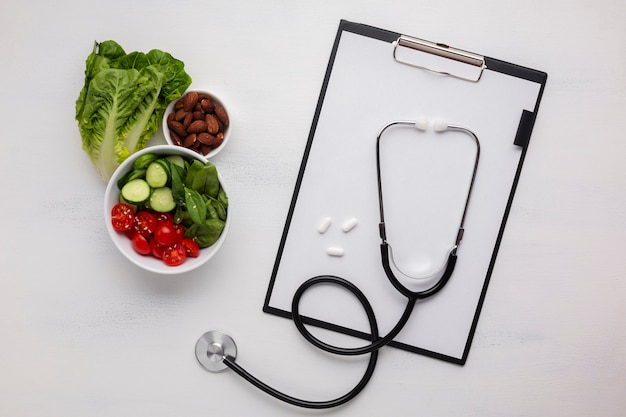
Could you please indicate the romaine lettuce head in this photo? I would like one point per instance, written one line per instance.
(123, 100)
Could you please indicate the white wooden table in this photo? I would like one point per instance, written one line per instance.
(85, 333)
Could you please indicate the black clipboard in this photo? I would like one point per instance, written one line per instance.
(374, 76)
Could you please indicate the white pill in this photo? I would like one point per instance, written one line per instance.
(421, 123)
(334, 251)
(349, 225)
(324, 224)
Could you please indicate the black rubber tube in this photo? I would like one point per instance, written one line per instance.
(372, 349)
(376, 344)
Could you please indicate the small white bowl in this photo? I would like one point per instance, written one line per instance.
(217, 101)
(124, 244)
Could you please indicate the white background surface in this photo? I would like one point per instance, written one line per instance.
(84, 333)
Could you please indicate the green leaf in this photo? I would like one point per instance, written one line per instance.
(211, 212)
(194, 167)
(122, 101)
(178, 187)
(222, 197)
(218, 210)
(195, 206)
(206, 234)
(206, 182)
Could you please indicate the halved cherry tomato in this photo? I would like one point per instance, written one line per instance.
(174, 255)
(145, 223)
(157, 248)
(122, 217)
(180, 231)
(191, 247)
(141, 245)
(165, 234)
(164, 217)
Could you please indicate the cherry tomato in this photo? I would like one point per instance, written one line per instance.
(191, 247)
(164, 217)
(180, 231)
(165, 234)
(145, 223)
(157, 248)
(122, 217)
(174, 255)
(141, 245)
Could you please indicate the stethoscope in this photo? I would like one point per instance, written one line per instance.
(217, 351)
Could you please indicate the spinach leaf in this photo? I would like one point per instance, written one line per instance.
(203, 178)
(207, 233)
(178, 188)
(219, 209)
(195, 167)
(222, 197)
(211, 212)
(195, 206)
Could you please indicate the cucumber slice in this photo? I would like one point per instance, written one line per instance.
(136, 173)
(144, 160)
(158, 173)
(162, 200)
(176, 160)
(134, 206)
(136, 191)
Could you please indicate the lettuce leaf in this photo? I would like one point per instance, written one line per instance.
(123, 100)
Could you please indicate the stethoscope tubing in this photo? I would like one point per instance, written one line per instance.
(377, 342)
(372, 348)
(298, 319)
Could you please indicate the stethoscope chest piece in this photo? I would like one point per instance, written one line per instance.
(212, 348)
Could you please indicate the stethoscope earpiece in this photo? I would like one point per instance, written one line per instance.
(440, 125)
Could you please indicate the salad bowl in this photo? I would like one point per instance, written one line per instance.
(123, 239)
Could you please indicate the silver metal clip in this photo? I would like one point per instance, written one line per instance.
(458, 68)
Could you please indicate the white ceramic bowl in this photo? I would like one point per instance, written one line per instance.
(217, 101)
(124, 244)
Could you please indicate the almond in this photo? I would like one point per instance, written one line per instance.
(205, 149)
(189, 140)
(197, 126)
(176, 139)
(221, 114)
(180, 114)
(189, 100)
(187, 121)
(207, 105)
(207, 139)
(177, 128)
(212, 125)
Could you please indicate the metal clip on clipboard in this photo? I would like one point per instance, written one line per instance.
(438, 58)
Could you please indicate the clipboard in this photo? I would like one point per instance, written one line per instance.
(375, 76)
